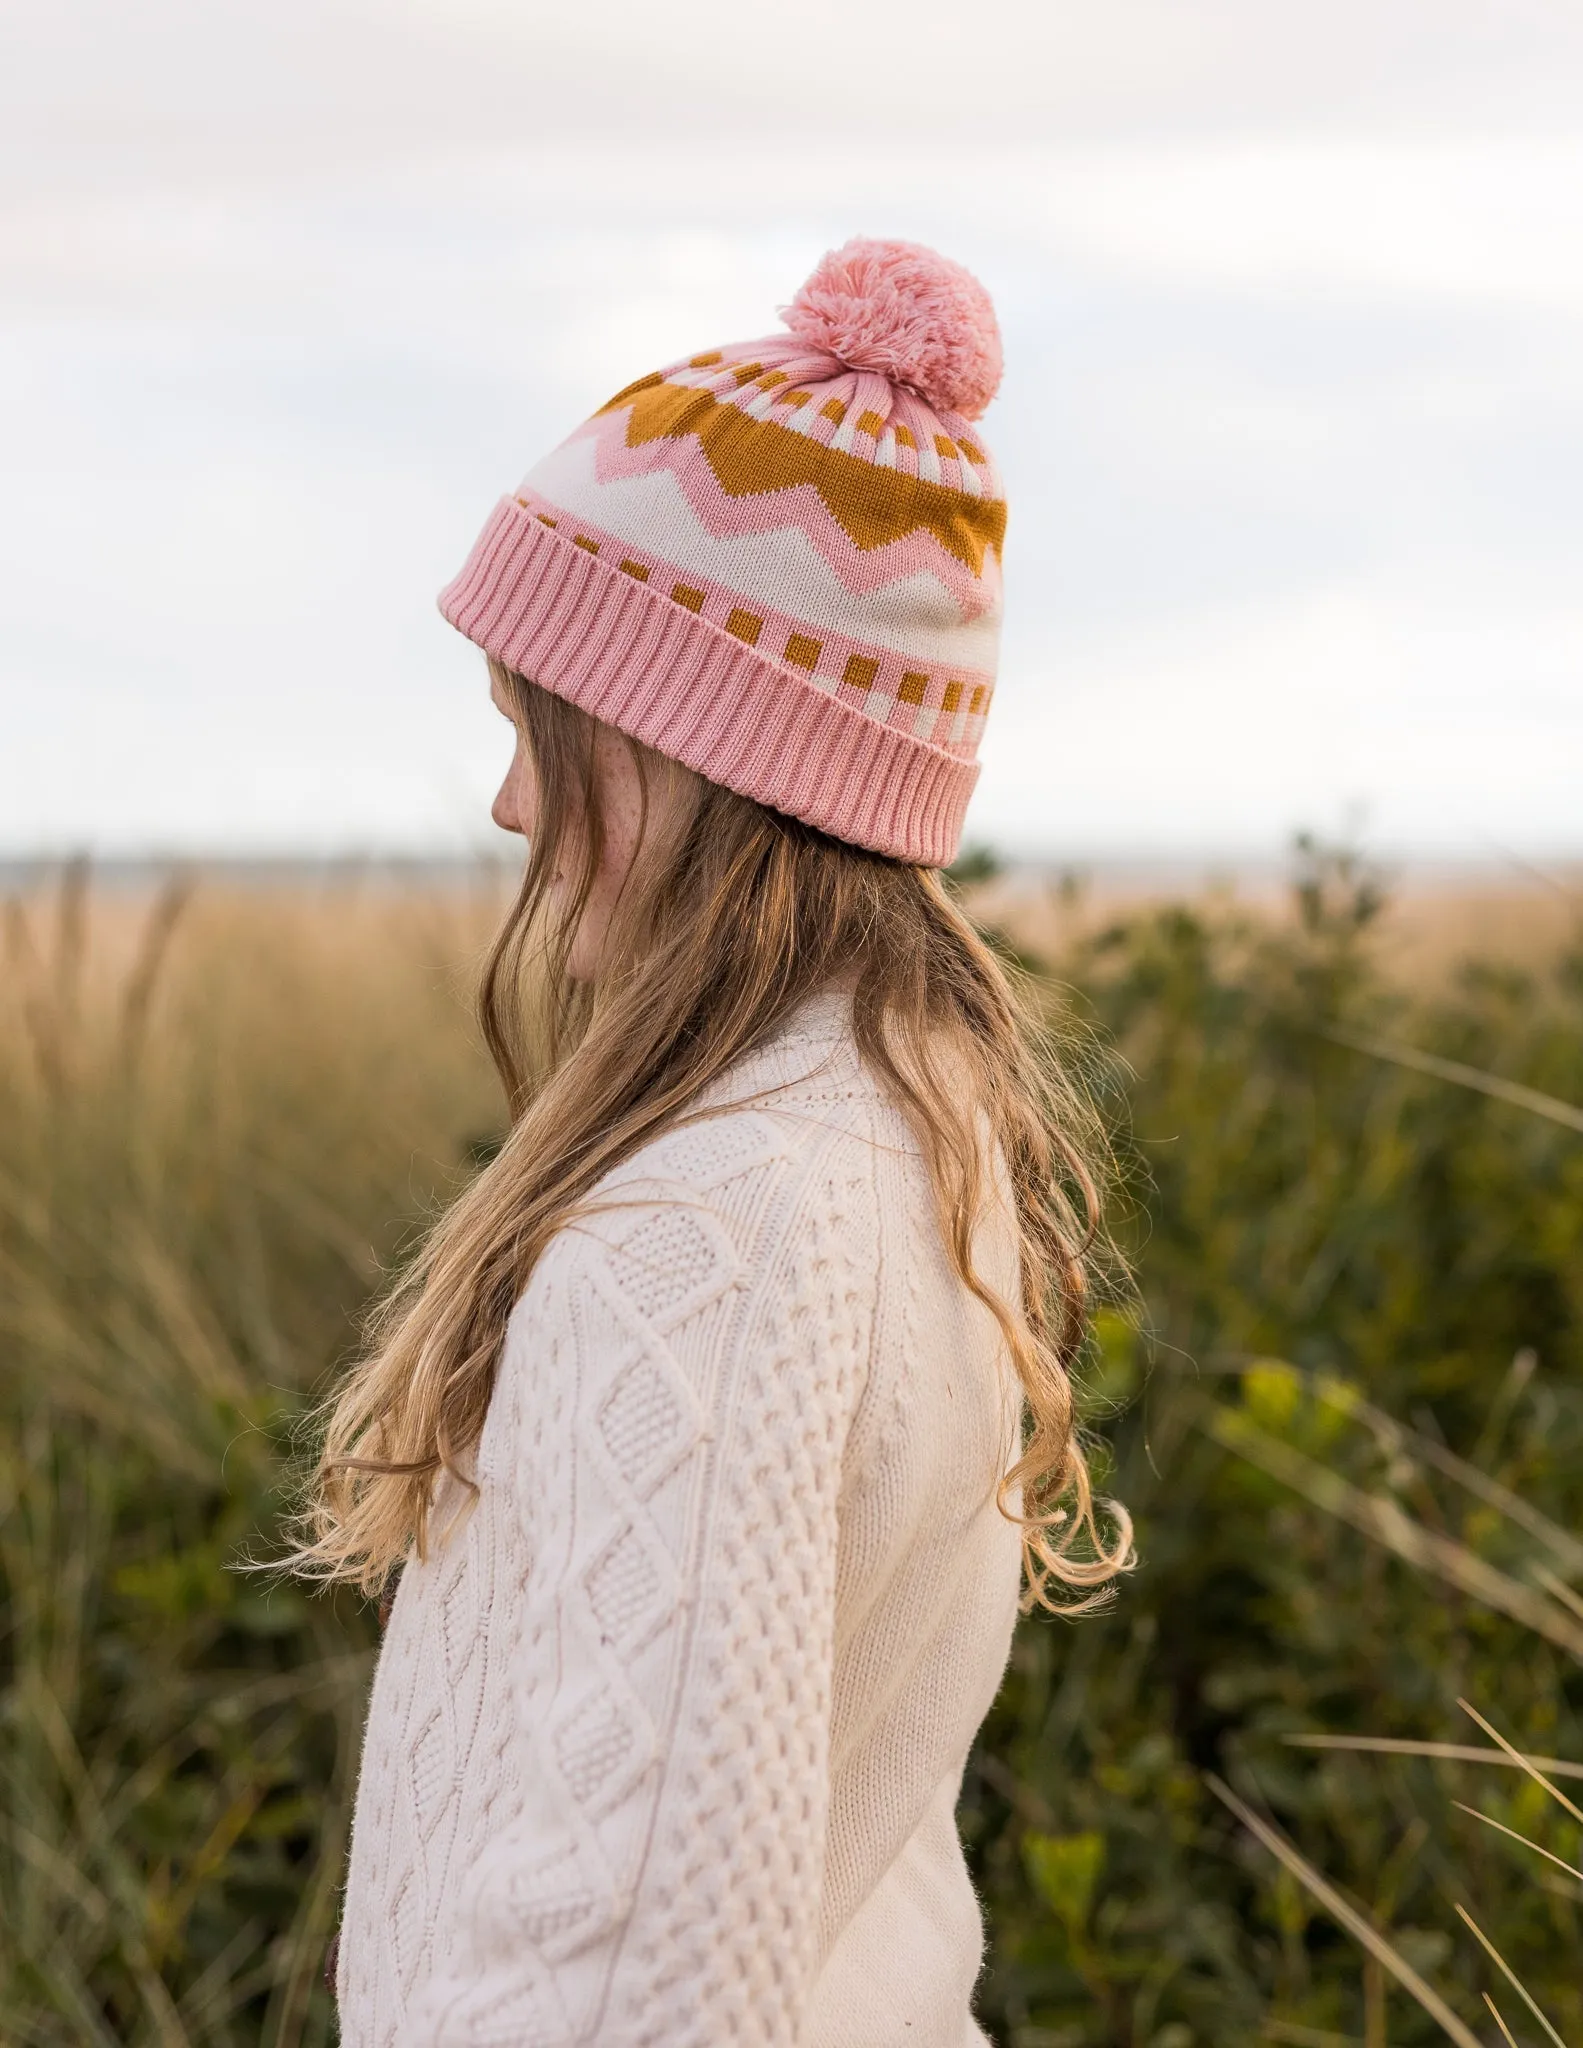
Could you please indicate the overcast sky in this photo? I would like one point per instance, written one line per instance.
(1292, 422)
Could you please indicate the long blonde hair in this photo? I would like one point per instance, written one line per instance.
(717, 935)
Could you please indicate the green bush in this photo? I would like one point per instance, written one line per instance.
(1408, 1246)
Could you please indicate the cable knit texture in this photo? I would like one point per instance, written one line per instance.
(666, 1739)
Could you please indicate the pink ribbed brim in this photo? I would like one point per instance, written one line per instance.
(687, 688)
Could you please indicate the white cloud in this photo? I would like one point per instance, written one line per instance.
(1438, 726)
(199, 89)
(1479, 219)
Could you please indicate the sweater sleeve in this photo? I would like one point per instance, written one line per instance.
(679, 1385)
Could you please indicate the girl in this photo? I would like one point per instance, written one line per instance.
(698, 1427)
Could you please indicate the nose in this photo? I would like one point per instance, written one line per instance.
(504, 808)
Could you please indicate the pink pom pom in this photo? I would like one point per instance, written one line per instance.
(914, 316)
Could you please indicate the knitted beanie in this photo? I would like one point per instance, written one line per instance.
(778, 561)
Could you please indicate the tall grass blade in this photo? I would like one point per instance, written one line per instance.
(1527, 1763)
(137, 997)
(1539, 1850)
(1558, 1589)
(1447, 1752)
(1362, 1931)
(1382, 1518)
(1514, 1092)
(310, 1932)
(1394, 1435)
(1506, 2032)
(1397, 1435)
(1511, 1976)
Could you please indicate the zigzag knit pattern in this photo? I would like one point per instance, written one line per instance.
(666, 1738)
(815, 512)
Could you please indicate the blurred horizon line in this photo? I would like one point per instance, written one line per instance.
(1140, 867)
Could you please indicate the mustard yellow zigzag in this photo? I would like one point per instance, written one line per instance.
(749, 457)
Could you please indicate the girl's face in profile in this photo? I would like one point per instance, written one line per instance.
(617, 777)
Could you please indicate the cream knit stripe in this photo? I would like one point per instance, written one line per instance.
(920, 604)
(951, 700)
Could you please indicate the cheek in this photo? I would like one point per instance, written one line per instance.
(622, 800)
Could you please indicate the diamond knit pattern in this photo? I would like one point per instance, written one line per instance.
(663, 1747)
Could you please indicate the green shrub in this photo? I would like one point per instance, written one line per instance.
(1412, 1248)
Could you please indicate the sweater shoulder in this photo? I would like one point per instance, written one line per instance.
(767, 1181)
(800, 1103)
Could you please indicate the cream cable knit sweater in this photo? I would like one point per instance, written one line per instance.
(665, 1743)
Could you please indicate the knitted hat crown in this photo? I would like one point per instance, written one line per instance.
(778, 561)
